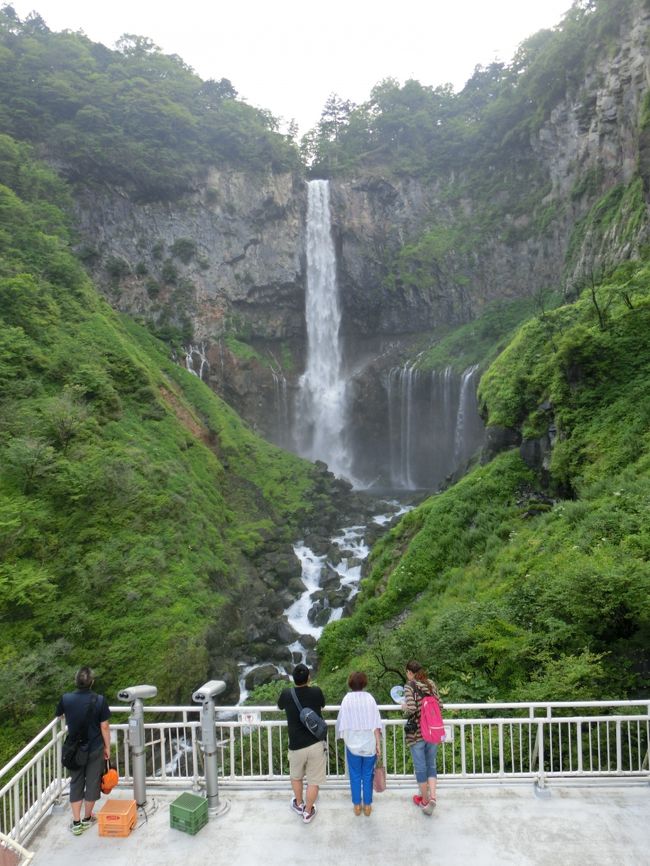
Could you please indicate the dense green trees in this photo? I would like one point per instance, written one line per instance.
(412, 129)
(133, 117)
(132, 501)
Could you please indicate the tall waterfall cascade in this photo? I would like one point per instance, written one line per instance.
(321, 404)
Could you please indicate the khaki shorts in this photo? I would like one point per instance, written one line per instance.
(309, 763)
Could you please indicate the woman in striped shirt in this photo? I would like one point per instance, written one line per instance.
(423, 753)
(359, 723)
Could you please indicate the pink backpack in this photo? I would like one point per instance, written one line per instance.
(431, 723)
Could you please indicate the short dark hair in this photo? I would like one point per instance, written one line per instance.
(84, 677)
(357, 681)
(300, 674)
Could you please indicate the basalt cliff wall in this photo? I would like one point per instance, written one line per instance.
(225, 264)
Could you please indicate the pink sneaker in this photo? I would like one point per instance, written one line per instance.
(417, 800)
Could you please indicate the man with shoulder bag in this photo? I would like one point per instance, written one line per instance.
(86, 747)
(307, 740)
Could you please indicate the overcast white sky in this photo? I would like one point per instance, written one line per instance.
(289, 55)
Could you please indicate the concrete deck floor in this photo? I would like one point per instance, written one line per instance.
(592, 825)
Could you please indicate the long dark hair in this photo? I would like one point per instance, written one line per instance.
(418, 671)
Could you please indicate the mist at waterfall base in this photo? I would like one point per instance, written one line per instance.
(426, 424)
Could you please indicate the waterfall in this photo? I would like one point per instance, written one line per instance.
(401, 425)
(197, 352)
(321, 400)
(281, 407)
(433, 424)
(465, 401)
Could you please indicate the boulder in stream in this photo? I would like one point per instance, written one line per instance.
(260, 675)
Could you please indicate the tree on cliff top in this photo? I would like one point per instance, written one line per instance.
(134, 117)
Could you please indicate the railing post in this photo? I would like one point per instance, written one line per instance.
(195, 760)
(502, 766)
(541, 776)
(463, 750)
(619, 747)
(58, 769)
(579, 745)
(16, 829)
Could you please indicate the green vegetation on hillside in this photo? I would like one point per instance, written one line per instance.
(501, 586)
(482, 339)
(133, 502)
(134, 117)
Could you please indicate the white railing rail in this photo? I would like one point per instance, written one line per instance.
(17, 855)
(539, 742)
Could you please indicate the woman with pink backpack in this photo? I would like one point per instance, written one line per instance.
(423, 732)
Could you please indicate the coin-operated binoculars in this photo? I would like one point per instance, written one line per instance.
(205, 696)
(134, 695)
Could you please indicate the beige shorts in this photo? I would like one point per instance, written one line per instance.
(309, 763)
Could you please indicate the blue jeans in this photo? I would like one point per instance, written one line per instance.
(361, 768)
(424, 760)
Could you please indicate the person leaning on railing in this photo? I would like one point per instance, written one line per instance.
(423, 753)
(85, 781)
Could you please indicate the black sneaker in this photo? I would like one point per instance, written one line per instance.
(309, 816)
(298, 809)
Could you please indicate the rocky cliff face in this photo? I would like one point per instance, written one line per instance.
(592, 142)
(226, 264)
(227, 258)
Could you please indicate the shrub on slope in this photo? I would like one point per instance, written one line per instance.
(132, 500)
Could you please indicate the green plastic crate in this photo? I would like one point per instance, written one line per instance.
(188, 813)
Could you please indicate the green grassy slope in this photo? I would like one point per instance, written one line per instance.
(508, 587)
(132, 500)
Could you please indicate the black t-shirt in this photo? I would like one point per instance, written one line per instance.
(73, 705)
(308, 696)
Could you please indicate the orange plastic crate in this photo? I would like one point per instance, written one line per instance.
(117, 818)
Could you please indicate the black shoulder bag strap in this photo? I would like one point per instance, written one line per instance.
(295, 700)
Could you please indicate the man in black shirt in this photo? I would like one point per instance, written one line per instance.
(307, 754)
(85, 709)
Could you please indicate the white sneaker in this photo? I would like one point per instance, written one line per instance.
(430, 806)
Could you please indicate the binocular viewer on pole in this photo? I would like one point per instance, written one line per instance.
(134, 695)
(205, 695)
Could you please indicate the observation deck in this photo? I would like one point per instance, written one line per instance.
(552, 783)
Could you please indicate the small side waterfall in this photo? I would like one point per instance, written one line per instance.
(195, 357)
(322, 399)
(433, 424)
(282, 414)
(466, 400)
(400, 422)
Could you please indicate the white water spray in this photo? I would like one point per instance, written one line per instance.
(466, 395)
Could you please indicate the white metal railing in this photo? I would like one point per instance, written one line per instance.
(17, 854)
(539, 742)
